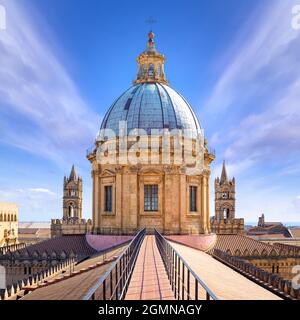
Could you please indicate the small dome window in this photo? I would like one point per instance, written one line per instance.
(151, 70)
(142, 71)
(159, 70)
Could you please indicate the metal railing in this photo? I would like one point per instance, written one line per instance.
(113, 285)
(185, 284)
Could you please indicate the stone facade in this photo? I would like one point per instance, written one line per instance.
(8, 223)
(224, 221)
(128, 215)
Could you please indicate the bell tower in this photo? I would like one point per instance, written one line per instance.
(72, 199)
(224, 221)
(224, 197)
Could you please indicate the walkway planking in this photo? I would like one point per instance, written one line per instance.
(149, 280)
(223, 281)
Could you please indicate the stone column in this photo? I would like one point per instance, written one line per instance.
(118, 197)
(96, 204)
(183, 202)
(199, 204)
(207, 205)
(204, 199)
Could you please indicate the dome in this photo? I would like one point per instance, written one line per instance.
(151, 106)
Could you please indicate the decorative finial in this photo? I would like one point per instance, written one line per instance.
(151, 44)
(151, 35)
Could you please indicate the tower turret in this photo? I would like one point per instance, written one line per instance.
(72, 199)
(224, 221)
(151, 64)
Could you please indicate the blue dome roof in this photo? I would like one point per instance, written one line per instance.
(151, 106)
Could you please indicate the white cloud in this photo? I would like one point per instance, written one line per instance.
(34, 203)
(41, 110)
(42, 190)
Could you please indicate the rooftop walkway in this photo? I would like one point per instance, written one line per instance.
(149, 280)
(224, 282)
(77, 286)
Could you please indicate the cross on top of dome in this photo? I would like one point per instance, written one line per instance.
(151, 64)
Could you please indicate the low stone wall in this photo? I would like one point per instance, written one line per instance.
(270, 281)
(12, 248)
(18, 288)
(293, 250)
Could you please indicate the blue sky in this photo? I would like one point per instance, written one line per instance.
(62, 63)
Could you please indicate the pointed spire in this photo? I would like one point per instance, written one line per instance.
(73, 175)
(224, 177)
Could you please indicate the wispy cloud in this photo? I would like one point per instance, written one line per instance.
(259, 51)
(41, 109)
(33, 203)
(42, 190)
(255, 105)
(261, 87)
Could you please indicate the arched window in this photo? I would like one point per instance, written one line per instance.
(159, 70)
(4, 217)
(8, 217)
(151, 70)
(142, 71)
(1, 217)
(226, 214)
(71, 210)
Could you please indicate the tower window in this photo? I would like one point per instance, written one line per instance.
(151, 197)
(226, 214)
(108, 198)
(193, 198)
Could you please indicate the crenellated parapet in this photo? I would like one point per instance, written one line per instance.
(70, 226)
(71, 221)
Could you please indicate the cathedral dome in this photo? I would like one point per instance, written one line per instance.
(151, 103)
(151, 106)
